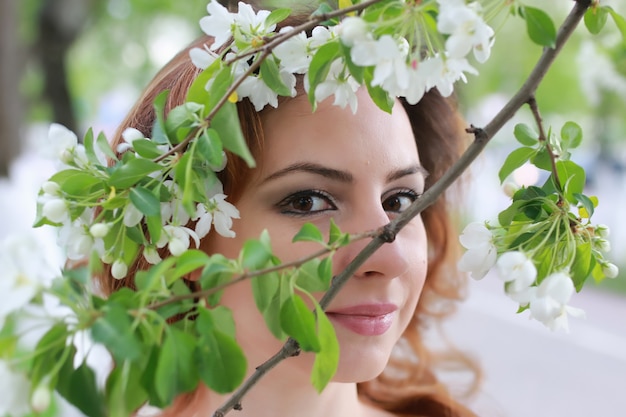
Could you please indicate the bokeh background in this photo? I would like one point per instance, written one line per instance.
(82, 63)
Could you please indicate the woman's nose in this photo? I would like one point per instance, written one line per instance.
(388, 261)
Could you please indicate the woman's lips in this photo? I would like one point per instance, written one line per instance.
(366, 320)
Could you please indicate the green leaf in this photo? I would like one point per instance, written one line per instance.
(506, 216)
(159, 134)
(189, 261)
(226, 122)
(114, 331)
(130, 173)
(586, 202)
(82, 391)
(380, 96)
(516, 159)
(255, 255)
(153, 278)
(542, 159)
(308, 279)
(356, 71)
(176, 369)
(309, 232)
(595, 19)
(124, 391)
(619, 20)
(539, 26)
(216, 272)
(210, 147)
(146, 148)
(181, 119)
(336, 236)
(320, 66)
(327, 359)
(572, 135)
(298, 321)
(572, 178)
(277, 16)
(221, 362)
(525, 135)
(105, 147)
(145, 201)
(270, 74)
(581, 268)
(76, 183)
(88, 143)
(49, 351)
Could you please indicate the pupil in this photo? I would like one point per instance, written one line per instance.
(304, 203)
(394, 204)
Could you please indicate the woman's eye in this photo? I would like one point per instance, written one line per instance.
(306, 202)
(400, 201)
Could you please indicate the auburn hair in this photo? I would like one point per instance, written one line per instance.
(409, 386)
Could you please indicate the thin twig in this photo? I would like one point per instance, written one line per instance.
(481, 137)
(534, 108)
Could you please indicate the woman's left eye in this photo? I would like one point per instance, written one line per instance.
(399, 201)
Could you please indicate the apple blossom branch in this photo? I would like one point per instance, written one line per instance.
(534, 108)
(387, 233)
(265, 50)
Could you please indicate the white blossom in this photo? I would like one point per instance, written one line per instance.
(481, 253)
(516, 269)
(466, 28)
(22, 278)
(251, 22)
(202, 57)
(610, 270)
(260, 94)
(151, 255)
(129, 135)
(353, 30)
(41, 398)
(173, 211)
(218, 212)
(443, 73)
(132, 215)
(61, 143)
(177, 239)
(294, 52)
(99, 230)
(14, 390)
(550, 304)
(76, 239)
(217, 24)
(344, 88)
(119, 269)
(55, 210)
(602, 245)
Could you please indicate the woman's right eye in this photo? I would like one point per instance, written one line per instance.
(306, 202)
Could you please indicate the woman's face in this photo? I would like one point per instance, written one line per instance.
(360, 170)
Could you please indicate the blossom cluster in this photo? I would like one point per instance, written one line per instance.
(83, 229)
(548, 296)
(401, 65)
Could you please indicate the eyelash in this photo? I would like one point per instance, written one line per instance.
(286, 204)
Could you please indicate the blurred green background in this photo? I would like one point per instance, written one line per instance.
(82, 63)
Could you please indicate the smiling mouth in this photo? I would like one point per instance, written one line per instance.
(371, 320)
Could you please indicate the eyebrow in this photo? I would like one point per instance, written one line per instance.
(339, 175)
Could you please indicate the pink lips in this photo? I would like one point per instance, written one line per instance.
(366, 319)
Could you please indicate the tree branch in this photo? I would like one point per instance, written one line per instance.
(482, 136)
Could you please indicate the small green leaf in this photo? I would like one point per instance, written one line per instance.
(226, 122)
(525, 134)
(130, 173)
(380, 96)
(270, 74)
(320, 66)
(595, 19)
(197, 92)
(581, 268)
(88, 143)
(586, 203)
(309, 232)
(146, 148)
(516, 159)
(159, 134)
(145, 201)
(105, 147)
(114, 331)
(506, 216)
(221, 362)
(336, 237)
(326, 361)
(176, 369)
(189, 261)
(277, 16)
(210, 147)
(76, 183)
(255, 254)
(215, 273)
(572, 178)
(298, 321)
(619, 20)
(539, 26)
(572, 135)
(82, 391)
(308, 279)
